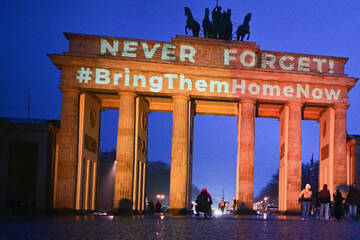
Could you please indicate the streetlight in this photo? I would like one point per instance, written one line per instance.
(160, 196)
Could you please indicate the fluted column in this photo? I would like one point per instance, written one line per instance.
(4, 172)
(179, 154)
(42, 176)
(245, 155)
(68, 150)
(293, 165)
(340, 146)
(125, 152)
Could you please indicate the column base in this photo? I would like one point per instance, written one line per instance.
(178, 211)
(122, 211)
(125, 207)
(290, 213)
(245, 211)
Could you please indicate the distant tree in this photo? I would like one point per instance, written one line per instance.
(309, 175)
(109, 156)
(106, 180)
(270, 190)
(157, 180)
(195, 191)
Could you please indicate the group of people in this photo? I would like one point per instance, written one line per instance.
(320, 203)
(224, 205)
(204, 201)
(151, 208)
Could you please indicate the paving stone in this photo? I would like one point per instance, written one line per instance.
(156, 227)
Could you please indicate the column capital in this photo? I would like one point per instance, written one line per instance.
(294, 104)
(68, 89)
(340, 106)
(127, 93)
(251, 101)
(181, 96)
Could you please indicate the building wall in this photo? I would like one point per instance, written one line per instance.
(353, 161)
(27, 161)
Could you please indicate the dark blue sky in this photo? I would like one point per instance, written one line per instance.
(30, 29)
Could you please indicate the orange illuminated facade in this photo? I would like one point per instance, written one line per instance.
(189, 76)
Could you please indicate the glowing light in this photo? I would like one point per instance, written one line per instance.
(217, 212)
(160, 196)
(162, 217)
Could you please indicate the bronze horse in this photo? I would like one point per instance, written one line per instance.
(191, 23)
(244, 28)
(206, 24)
(220, 28)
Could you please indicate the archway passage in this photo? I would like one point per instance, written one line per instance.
(192, 76)
(266, 160)
(214, 160)
(107, 165)
(159, 158)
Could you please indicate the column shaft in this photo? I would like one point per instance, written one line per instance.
(340, 146)
(68, 149)
(293, 165)
(245, 155)
(4, 172)
(42, 178)
(179, 154)
(125, 152)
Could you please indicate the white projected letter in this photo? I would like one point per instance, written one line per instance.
(170, 78)
(136, 79)
(219, 85)
(317, 93)
(116, 78)
(149, 54)
(129, 46)
(184, 80)
(254, 88)
(240, 86)
(201, 85)
(227, 57)
(304, 64)
(187, 51)
(156, 83)
(271, 89)
(288, 67)
(168, 50)
(288, 91)
(105, 46)
(268, 60)
(332, 94)
(102, 76)
(320, 62)
(300, 90)
(243, 61)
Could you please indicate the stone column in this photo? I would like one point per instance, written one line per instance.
(42, 178)
(340, 146)
(68, 149)
(179, 155)
(245, 155)
(293, 165)
(4, 172)
(125, 152)
(290, 158)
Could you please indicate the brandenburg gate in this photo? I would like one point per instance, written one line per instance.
(189, 76)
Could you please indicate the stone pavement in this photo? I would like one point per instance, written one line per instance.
(160, 227)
